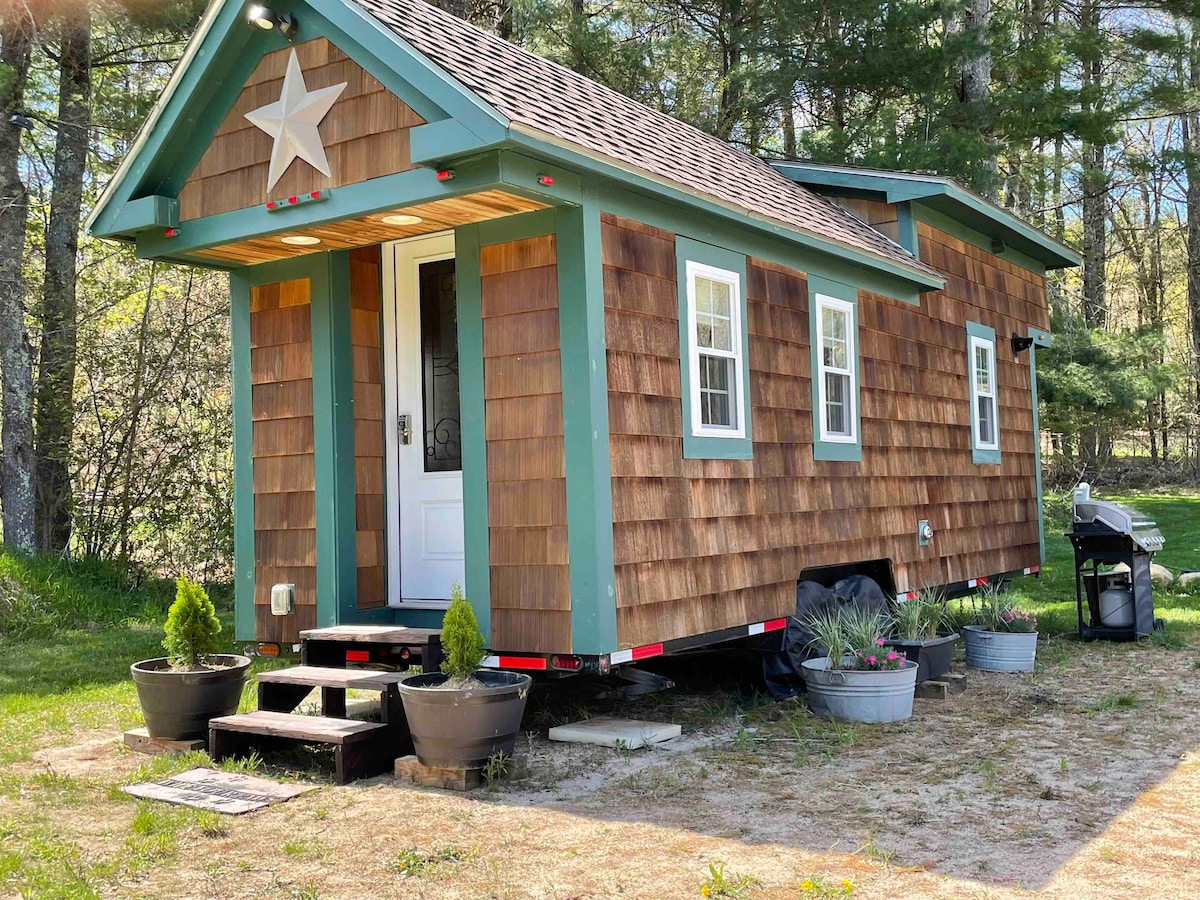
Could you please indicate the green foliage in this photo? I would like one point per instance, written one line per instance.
(462, 641)
(918, 619)
(192, 627)
(853, 632)
(729, 885)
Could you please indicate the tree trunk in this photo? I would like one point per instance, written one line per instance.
(1191, 143)
(975, 78)
(729, 100)
(787, 115)
(56, 369)
(16, 355)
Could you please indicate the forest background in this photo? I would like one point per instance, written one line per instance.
(1081, 117)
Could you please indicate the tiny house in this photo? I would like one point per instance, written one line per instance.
(493, 323)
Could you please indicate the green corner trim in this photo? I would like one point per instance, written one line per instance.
(585, 429)
(713, 446)
(841, 451)
(1040, 339)
(980, 455)
(907, 225)
(518, 227)
(476, 563)
(243, 460)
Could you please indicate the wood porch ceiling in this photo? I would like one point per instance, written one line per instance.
(439, 215)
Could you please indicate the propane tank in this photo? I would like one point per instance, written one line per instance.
(1116, 603)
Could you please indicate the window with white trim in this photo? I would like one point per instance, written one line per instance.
(984, 412)
(715, 351)
(837, 375)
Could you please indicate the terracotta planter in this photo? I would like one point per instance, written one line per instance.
(178, 705)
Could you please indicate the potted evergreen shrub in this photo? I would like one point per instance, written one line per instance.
(858, 679)
(194, 682)
(463, 716)
(919, 634)
(1004, 639)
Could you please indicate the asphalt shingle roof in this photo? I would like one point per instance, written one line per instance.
(565, 105)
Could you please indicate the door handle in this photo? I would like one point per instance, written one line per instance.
(404, 429)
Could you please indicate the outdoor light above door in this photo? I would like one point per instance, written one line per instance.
(266, 19)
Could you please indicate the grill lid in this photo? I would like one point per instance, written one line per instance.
(1118, 518)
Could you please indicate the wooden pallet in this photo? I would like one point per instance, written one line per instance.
(360, 749)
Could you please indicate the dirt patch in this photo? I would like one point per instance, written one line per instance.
(1080, 781)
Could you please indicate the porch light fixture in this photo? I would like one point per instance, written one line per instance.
(400, 219)
(301, 240)
(1020, 344)
(266, 19)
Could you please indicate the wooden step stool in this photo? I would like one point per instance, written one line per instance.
(361, 749)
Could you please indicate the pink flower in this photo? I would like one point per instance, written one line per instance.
(878, 642)
(871, 660)
(892, 657)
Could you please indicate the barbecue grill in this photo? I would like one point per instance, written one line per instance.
(1120, 601)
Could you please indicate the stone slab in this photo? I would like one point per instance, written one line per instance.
(139, 739)
(609, 731)
(933, 689)
(956, 683)
(223, 792)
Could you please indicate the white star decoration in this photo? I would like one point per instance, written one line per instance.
(293, 122)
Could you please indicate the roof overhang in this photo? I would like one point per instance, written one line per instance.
(944, 195)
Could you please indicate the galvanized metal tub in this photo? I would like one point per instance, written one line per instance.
(462, 729)
(178, 705)
(858, 695)
(1000, 651)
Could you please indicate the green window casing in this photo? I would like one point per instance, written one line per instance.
(981, 380)
(714, 352)
(836, 370)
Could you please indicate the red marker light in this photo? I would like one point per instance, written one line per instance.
(172, 232)
(316, 195)
(545, 180)
(270, 204)
(293, 199)
(445, 175)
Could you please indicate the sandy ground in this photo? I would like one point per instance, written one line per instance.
(1080, 781)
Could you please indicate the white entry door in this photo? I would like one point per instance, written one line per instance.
(425, 494)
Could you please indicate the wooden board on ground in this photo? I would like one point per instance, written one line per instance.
(223, 792)
(411, 770)
(139, 739)
(609, 731)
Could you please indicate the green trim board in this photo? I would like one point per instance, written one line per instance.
(243, 459)
(779, 249)
(738, 445)
(982, 455)
(907, 283)
(938, 193)
(842, 451)
(975, 238)
(1041, 339)
(585, 428)
(472, 434)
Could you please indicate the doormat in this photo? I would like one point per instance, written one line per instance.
(223, 792)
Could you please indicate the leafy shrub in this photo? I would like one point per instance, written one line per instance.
(462, 641)
(192, 627)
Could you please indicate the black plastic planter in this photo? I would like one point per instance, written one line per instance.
(462, 729)
(932, 657)
(178, 705)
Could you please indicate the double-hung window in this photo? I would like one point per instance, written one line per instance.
(981, 375)
(715, 351)
(837, 375)
(983, 393)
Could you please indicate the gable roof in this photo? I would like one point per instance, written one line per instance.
(561, 104)
(944, 195)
